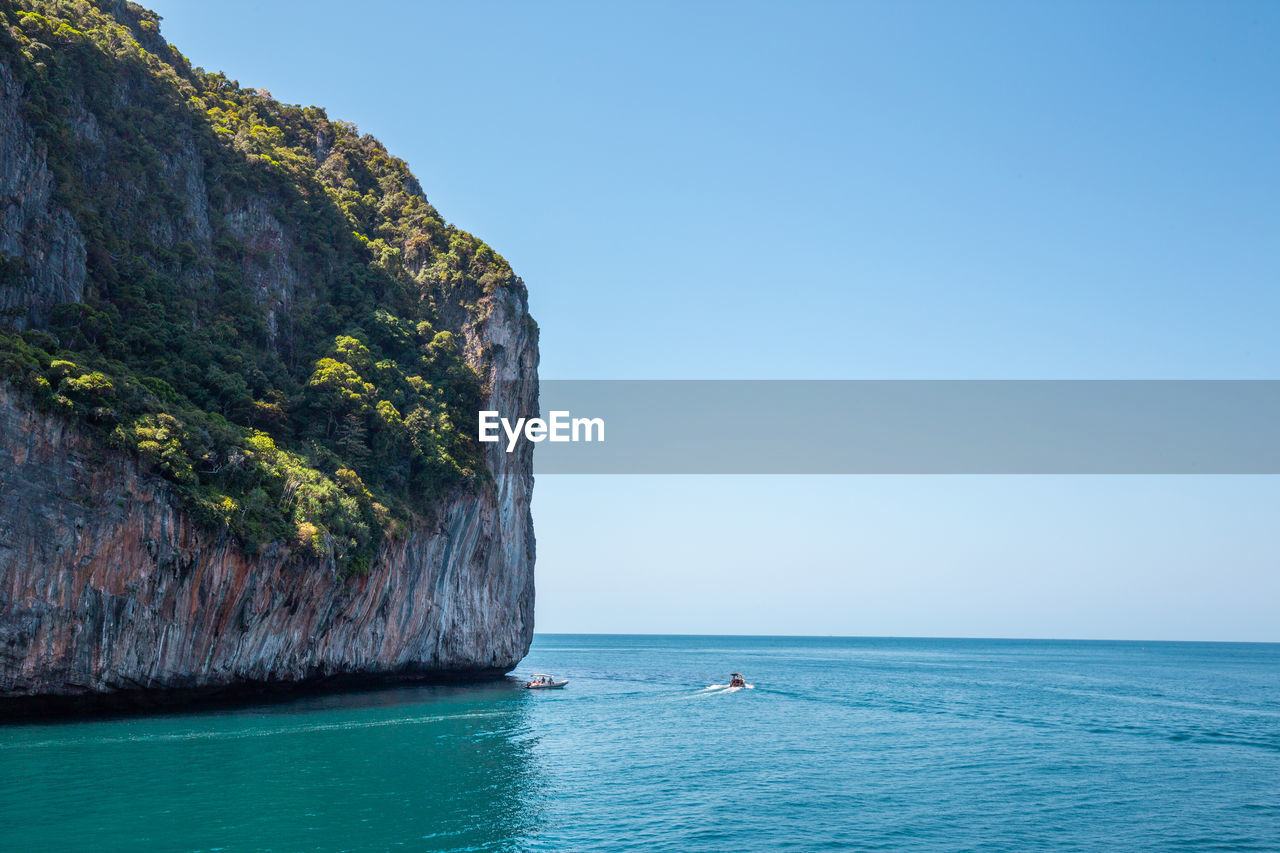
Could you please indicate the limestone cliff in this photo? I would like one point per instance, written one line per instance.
(109, 585)
(106, 586)
(33, 229)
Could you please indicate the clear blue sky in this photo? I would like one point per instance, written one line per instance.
(849, 190)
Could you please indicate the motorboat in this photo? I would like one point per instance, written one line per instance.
(736, 680)
(542, 681)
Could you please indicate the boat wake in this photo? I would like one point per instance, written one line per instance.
(709, 690)
(255, 732)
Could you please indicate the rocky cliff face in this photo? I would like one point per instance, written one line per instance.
(109, 588)
(34, 231)
(105, 586)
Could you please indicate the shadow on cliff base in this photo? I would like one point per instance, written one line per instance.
(346, 688)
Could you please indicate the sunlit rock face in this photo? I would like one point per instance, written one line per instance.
(107, 586)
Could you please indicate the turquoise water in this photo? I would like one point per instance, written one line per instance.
(857, 744)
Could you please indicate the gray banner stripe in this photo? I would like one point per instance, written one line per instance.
(916, 427)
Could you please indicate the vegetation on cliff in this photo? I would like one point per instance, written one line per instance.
(262, 319)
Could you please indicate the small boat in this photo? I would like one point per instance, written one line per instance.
(736, 680)
(541, 681)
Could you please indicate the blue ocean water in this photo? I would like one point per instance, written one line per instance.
(841, 744)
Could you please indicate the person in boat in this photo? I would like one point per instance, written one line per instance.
(736, 680)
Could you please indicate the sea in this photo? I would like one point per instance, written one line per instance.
(837, 744)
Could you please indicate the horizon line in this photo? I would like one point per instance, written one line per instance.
(893, 637)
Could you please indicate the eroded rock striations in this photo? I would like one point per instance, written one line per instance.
(105, 585)
(109, 587)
